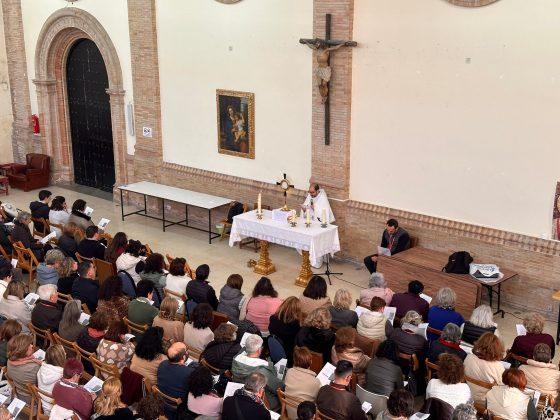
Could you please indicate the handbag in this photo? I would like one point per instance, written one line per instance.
(548, 412)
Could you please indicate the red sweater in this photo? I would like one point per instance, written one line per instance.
(73, 397)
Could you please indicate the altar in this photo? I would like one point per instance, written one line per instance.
(313, 242)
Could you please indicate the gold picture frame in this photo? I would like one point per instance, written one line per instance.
(236, 123)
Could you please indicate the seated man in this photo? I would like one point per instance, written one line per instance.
(172, 375)
(140, 310)
(47, 272)
(200, 290)
(69, 394)
(411, 300)
(40, 208)
(85, 287)
(90, 247)
(394, 238)
(46, 314)
(249, 361)
(247, 402)
(334, 400)
(316, 201)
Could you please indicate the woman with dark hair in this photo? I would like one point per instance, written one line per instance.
(112, 299)
(131, 261)
(67, 241)
(400, 406)
(263, 303)
(449, 385)
(67, 273)
(197, 332)
(78, 216)
(149, 354)
(154, 270)
(314, 295)
(383, 373)
(10, 328)
(345, 349)
(199, 289)
(202, 400)
(151, 407)
(231, 297)
(90, 337)
(485, 364)
(116, 247)
(221, 351)
(177, 279)
(316, 333)
(58, 214)
(21, 233)
(285, 324)
(511, 401)
(113, 349)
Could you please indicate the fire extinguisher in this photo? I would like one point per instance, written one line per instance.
(35, 124)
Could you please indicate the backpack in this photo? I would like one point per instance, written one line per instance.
(234, 210)
(458, 263)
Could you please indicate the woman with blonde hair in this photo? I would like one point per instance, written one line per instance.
(524, 345)
(340, 310)
(14, 307)
(408, 338)
(481, 321)
(285, 324)
(22, 365)
(173, 329)
(345, 349)
(316, 333)
(485, 364)
(50, 373)
(108, 405)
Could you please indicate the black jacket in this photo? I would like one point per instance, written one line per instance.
(65, 284)
(201, 292)
(220, 355)
(87, 342)
(91, 248)
(46, 315)
(286, 333)
(472, 332)
(38, 210)
(241, 407)
(87, 291)
(68, 245)
(320, 341)
(23, 234)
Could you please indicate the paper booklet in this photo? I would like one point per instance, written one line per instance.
(103, 223)
(15, 407)
(281, 368)
(231, 387)
(521, 330)
(94, 385)
(327, 374)
(422, 328)
(40, 354)
(360, 310)
(14, 262)
(386, 252)
(390, 312)
(48, 237)
(426, 297)
(84, 319)
(88, 211)
(31, 298)
(244, 338)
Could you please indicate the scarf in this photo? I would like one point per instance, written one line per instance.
(450, 344)
(24, 361)
(249, 394)
(95, 333)
(80, 214)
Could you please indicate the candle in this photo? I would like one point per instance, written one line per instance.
(293, 216)
(324, 215)
(259, 204)
(307, 216)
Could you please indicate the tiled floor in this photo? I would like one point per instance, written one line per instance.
(223, 259)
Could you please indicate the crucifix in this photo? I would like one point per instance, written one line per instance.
(285, 185)
(323, 74)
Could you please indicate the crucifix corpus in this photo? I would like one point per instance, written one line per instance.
(323, 47)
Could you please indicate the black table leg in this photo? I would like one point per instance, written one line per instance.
(145, 204)
(210, 226)
(163, 213)
(122, 207)
(558, 328)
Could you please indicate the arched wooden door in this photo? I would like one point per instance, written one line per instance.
(90, 116)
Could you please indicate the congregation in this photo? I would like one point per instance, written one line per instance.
(166, 343)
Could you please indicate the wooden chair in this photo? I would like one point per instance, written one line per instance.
(59, 226)
(107, 237)
(219, 318)
(46, 228)
(188, 271)
(431, 368)
(148, 250)
(512, 356)
(194, 353)
(253, 243)
(136, 329)
(170, 401)
(82, 354)
(4, 254)
(413, 241)
(81, 258)
(227, 225)
(64, 299)
(287, 401)
(368, 346)
(483, 384)
(434, 331)
(411, 358)
(69, 346)
(104, 370)
(45, 336)
(26, 261)
(37, 397)
(86, 309)
(204, 362)
(321, 416)
(104, 270)
(80, 234)
(480, 409)
(316, 362)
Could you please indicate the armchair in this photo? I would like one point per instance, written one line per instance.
(34, 174)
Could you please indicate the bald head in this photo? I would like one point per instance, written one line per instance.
(177, 353)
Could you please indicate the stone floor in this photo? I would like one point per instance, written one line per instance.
(223, 259)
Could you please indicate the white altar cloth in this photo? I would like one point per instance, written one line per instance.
(315, 239)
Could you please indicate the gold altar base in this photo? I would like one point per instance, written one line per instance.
(264, 266)
(305, 272)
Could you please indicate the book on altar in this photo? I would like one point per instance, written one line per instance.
(279, 215)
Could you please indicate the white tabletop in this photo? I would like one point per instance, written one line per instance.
(179, 195)
(315, 239)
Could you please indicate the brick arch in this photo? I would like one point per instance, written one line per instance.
(59, 32)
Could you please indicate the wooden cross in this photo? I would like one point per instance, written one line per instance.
(324, 48)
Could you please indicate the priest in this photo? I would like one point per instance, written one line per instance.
(316, 201)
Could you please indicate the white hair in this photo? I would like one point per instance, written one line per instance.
(46, 291)
(446, 298)
(482, 317)
(377, 280)
(253, 343)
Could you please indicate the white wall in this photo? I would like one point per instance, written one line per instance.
(455, 110)
(111, 14)
(6, 118)
(250, 46)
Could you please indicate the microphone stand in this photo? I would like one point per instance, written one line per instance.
(328, 271)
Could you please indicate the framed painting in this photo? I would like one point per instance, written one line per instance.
(236, 123)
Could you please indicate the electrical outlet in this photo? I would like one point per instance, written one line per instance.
(548, 308)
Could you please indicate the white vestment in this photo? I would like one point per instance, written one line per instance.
(320, 202)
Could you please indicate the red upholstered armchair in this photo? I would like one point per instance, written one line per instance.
(35, 174)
